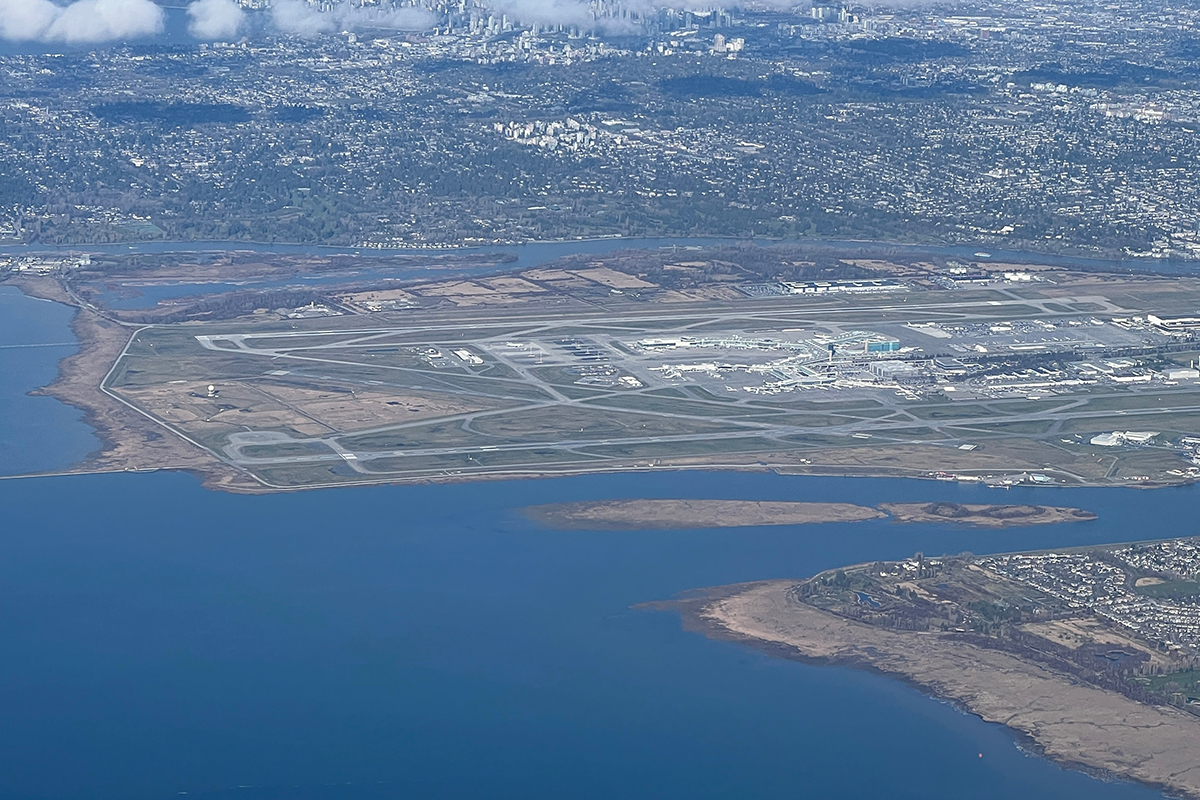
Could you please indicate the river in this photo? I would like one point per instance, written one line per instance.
(526, 256)
(533, 253)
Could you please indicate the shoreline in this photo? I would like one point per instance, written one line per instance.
(697, 616)
(258, 487)
(128, 442)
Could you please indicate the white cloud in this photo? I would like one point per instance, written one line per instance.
(80, 22)
(22, 21)
(300, 19)
(545, 12)
(215, 19)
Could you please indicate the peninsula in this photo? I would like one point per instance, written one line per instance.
(1082, 653)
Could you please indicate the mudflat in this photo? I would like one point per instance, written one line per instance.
(665, 514)
(1069, 721)
(984, 516)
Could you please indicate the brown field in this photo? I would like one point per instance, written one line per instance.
(359, 409)
(304, 411)
(511, 285)
(238, 406)
(612, 278)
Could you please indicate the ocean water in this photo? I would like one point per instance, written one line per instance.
(428, 641)
(37, 434)
(158, 640)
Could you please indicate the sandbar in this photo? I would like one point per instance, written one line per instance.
(667, 514)
(984, 516)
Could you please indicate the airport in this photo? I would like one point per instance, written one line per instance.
(1068, 379)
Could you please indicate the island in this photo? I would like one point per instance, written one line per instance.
(984, 516)
(1091, 656)
(666, 514)
(274, 372)
(649, 514)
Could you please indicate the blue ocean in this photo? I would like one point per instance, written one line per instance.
(159, 640)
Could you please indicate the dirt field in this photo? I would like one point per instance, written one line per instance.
(300, 411)
(613, 279)
(362, 409)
